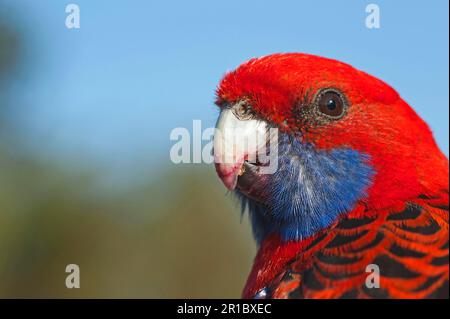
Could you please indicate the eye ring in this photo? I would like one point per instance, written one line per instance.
(331, 103)
(243, 111)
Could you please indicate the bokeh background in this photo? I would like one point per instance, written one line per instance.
(85, 118)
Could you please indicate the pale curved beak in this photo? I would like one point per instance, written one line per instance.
(236, 141)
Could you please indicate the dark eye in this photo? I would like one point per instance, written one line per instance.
(331, 103)
(243, 111)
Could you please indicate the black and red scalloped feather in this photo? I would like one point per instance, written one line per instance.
(409, 245)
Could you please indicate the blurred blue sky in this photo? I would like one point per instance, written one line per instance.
(111, 92)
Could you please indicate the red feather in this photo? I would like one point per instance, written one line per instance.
(410, 246)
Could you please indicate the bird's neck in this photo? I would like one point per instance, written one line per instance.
(273, 255)
(310, 190)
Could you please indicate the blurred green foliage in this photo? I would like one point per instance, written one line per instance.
(178, 236)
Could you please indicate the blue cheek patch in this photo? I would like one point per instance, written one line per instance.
(310, 189)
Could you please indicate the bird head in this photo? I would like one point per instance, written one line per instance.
(343, 138)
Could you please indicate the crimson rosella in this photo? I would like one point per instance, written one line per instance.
(360, 188)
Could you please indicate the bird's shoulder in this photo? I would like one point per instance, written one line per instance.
(400, 252)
